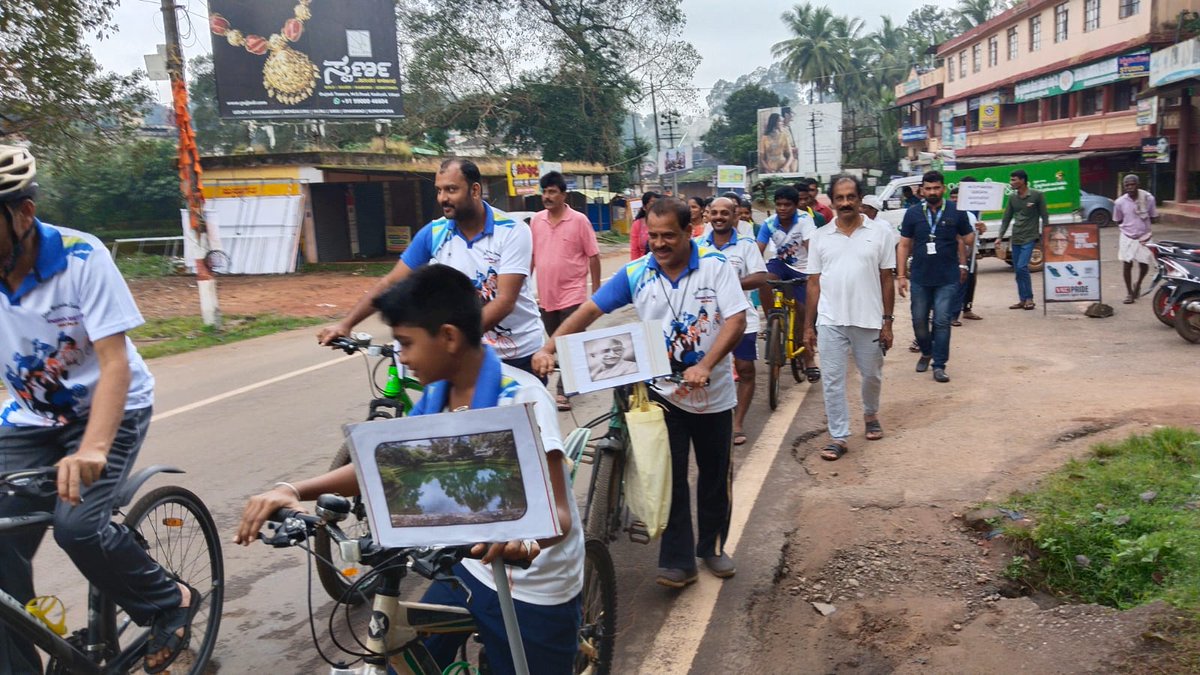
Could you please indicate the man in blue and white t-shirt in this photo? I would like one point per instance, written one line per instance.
(788, 232)
(79, 396)
(695, 295)
(493, 250)
(745, 259)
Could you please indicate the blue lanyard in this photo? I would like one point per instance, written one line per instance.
(933, 222)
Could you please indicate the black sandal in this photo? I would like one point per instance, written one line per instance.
(833, 452)
(874, 427)
(163, 632)
(812, 374)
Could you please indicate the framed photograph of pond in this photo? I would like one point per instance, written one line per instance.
(455, 478)
(608, 357)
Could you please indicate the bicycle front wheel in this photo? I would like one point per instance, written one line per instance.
(178, 532)
(598, 631)
(336, 574)
(605, 484)
(774, 358)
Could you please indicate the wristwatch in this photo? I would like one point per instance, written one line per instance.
(888, 317)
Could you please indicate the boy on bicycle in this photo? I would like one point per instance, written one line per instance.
(788, 231)
(435, 316)
(80, 398)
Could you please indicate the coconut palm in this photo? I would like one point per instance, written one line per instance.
(818, 53)
(971, 13)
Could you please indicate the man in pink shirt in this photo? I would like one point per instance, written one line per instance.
(1133, 212)
(564, 253)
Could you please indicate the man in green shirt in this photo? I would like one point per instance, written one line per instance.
(1026, 212)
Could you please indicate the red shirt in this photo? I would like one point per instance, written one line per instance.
(560, 258)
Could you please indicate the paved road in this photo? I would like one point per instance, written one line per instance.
(240, 417)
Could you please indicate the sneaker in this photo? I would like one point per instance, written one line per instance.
(720, 565)
(923, 363)
(939, 374)
(676, 578)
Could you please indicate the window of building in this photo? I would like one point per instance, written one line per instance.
(1128, 8)
(1012, 43)
(962, 63)
(1031, 112)
(1035, 33)
(1060, 22)
(976, 58)
(1008, 116)
(1091, 101)
(993, 51)
(1125, 94)
(950, 70)
(1059, 107)
(1091, 15)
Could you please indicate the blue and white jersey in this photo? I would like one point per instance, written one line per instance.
(73, 296)
(745, 259)
(505, 246)
(556, 575)
(692, 310)
(789, 243)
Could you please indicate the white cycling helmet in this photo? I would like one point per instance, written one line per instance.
(18, 169)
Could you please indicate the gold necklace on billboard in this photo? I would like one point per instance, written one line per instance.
(288, 75)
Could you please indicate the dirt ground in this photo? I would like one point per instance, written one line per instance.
(877, 535)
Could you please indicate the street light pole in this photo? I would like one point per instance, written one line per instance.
(189, 167)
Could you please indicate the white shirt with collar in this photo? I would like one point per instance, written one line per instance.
(851, 294)
(744, 257)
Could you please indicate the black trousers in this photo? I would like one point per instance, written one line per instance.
(710, 434)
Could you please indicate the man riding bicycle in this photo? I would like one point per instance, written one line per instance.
(80, 397)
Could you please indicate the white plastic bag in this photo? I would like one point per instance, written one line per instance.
(648, 463)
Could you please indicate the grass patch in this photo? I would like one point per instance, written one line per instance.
(366, 269)
(612, 237)
(1120, 527)
(145, 266)
(163, 337)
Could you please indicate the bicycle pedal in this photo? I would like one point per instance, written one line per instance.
(638, 532)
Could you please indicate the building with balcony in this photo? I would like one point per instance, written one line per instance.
(1053, 79)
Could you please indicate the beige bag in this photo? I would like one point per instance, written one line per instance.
(648, 462)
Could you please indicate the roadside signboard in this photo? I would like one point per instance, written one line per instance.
(1058, 180)
(1147, 111)
(523, 176)
(731, 176)
(329, 61)
(1156, 150)
(1072, 263)
(989, 117)
(675, 159)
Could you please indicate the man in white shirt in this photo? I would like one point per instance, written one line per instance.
(850, 300)
(493, 250)
(744, 257)
(696, 296)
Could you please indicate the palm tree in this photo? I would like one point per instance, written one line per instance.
(971, 13)
(818, 52)
(891, 47)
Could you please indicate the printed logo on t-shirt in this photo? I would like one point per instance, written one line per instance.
(64, 315)
(37, 380)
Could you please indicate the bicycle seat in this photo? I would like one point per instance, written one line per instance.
(39, 483)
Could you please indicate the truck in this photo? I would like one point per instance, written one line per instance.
(1058, 180)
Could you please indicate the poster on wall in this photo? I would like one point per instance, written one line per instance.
(1072, 263)
(523, 177)
(800, 140)
(1156, 150)
(675, 159)
(989, 117)
(276, 59)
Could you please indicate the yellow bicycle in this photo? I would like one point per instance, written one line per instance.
(781, 343)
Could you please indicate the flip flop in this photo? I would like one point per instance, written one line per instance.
(1128, 300)
(163, 631)
(874, 430)
(739, 437)
(833, 452)
(812, 374)
(563, 404)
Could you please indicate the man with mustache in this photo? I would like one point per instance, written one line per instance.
(489, 247)
(564, 255)
(850, 299)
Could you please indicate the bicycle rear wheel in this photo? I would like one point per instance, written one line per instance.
(178, 532)
(339, 577)
(598, 631)
(774, 358)
(605, 484)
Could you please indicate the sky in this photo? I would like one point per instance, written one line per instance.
(733, 36)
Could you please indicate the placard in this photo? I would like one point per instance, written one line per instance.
(981, 196)
(1072, 263)
(609, 357)
(731, 176)
(456, 478)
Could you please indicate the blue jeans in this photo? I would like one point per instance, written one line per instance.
(941, 300)
(1021, 254)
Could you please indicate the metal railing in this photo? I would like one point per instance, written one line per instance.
(167, 246)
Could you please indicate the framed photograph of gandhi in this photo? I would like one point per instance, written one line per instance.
(609, 357)
(455, 478)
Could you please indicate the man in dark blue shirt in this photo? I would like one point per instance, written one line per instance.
(937, 236)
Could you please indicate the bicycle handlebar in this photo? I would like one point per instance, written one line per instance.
(787, 282)
(355, 345)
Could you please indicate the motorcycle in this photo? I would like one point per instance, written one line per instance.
(1177, 302)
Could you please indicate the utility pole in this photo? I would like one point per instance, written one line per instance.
(814, 120)
(671, 121)
(189, 167)
(657, 140)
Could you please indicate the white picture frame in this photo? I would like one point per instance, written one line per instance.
(613, 356)
(414, 472)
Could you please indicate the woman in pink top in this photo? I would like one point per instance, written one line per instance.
(639, 241)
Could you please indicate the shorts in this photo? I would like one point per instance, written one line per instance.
(780, 269)
(747, 349)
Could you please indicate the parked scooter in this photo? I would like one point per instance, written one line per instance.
(1177, 302)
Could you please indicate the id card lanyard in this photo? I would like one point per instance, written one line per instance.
(931, 245)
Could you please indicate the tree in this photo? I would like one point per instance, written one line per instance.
(928, 25)
(52, 92)
(971, 13)
(818, 53)
(734, 135)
